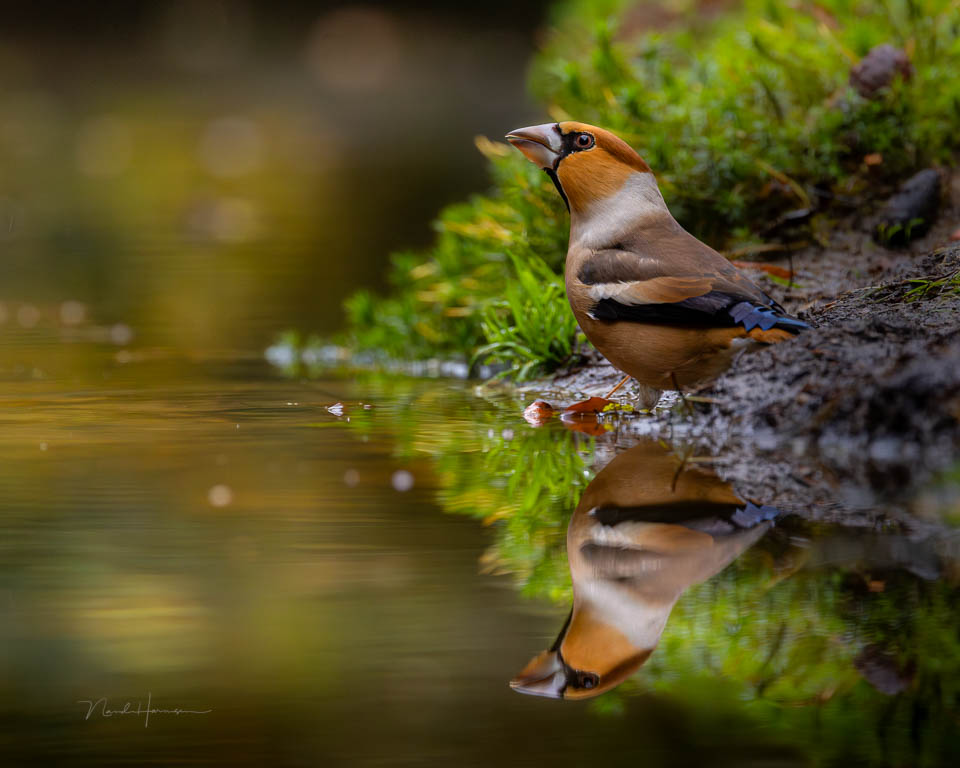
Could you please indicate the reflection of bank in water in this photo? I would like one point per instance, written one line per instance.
(645, 529)
(649, 527)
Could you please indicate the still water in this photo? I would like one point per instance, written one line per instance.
(359, 585)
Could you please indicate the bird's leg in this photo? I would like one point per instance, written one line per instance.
(676, 386)
(680, 467)
(647, 397)
(622, 381)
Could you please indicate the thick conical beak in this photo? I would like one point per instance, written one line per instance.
(543, 676)
(540, 143)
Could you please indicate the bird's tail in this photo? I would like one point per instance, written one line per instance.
(752, 515)
(753, 316)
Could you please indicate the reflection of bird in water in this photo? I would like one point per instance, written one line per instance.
(646, 529)
(659, 304)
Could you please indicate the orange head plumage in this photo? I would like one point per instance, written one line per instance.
(591, 656)
(586, 163)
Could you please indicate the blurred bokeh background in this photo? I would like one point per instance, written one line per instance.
(346, 570)
(208, 172)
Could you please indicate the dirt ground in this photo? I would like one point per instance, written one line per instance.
(864, 408)
(858, 413)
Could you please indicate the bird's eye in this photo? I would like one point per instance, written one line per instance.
(588, 680)
(584, 141)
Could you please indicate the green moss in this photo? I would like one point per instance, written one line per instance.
(924, 288)
(743, 117)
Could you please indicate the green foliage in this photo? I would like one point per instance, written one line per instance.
(531, 327)
(490, 281)
(744, 116)
(889, 232)
(912, 289)
(924, 288)
(525, 488)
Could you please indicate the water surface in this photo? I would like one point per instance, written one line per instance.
(358, 587)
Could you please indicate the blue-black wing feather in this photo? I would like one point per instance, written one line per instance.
(715, 309)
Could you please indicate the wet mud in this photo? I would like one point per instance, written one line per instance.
(870, 398)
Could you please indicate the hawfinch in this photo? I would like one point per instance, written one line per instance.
(646, 529)
(656, 302)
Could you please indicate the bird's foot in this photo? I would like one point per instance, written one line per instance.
(645, 398)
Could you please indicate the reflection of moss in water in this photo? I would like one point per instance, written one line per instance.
(526, 487)
(787, 654)
(784, 651)
(770, 643)
(522, 482)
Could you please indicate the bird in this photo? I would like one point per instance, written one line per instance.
(646, 528)
(659, 304)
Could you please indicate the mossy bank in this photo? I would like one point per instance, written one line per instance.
(765, 125)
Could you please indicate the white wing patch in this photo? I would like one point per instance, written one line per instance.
(600, 291)
(657, 290)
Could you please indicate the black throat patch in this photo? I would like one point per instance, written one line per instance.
(568, 144)
(552, 173)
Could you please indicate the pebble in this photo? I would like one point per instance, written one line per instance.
(910, 211)
(878, 68)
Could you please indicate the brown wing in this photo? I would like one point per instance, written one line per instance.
(664, 264)
(665, 275)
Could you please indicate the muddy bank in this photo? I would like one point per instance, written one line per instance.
(856, 414)
(870, 398)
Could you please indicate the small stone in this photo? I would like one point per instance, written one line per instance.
(911, 210)
(882, 670)
(878, 68)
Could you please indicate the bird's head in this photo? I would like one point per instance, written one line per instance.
(588, 658)
(586, 163)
